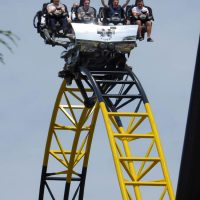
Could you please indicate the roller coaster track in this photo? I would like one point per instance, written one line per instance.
(133, 136)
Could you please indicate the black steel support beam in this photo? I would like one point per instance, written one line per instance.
(189, 175)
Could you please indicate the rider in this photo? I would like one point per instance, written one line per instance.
(57, 13)
(138, 11)
(115, 8)
(86, 9)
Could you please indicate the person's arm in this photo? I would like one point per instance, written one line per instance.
(134, 12)
(103, 3)
(126, 3)
(63, 9)
(69, 20)
(147, 11)
(65, 13)
(79, 13)
(51, 8)
(93, 13)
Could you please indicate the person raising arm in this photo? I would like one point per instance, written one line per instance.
(114, 3)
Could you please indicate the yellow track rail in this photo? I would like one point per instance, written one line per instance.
(134, 171)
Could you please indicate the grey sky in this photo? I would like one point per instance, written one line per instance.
(29, 84)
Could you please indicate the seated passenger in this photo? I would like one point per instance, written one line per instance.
(141, 15)
(57, 13)
(86, 13)
(114, 9)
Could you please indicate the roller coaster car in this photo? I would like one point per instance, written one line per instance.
(100, 47)
(143, 17)
(95, 46)
(41, 23)
(92, 37)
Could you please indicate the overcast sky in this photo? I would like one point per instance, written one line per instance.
(29, 85)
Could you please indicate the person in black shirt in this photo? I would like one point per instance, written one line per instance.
(115, 8)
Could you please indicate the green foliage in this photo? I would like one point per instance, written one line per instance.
(4, 37)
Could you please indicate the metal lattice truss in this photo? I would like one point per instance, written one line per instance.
(142, 168)
(68, 144)
(134, 140)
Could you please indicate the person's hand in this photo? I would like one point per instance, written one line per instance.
(69, 20)
(143, 16)
(63, 9)
(52, 9)
(144, 12)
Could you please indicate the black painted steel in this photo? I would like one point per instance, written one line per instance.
(189, 176)
(103, 82)
(93, 83)
(50, 192)
(42, 183)
(82, 183)
(67, 189)
(61, 179)
(139, 86)
(101, 95)
(76, 193)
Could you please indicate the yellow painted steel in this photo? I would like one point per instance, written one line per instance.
(124, 159)
(160, 151)
(114, 152)
(81, 124)
(52, 123)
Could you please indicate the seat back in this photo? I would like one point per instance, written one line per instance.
(95, 12)
(128, 11)
(150, 12)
